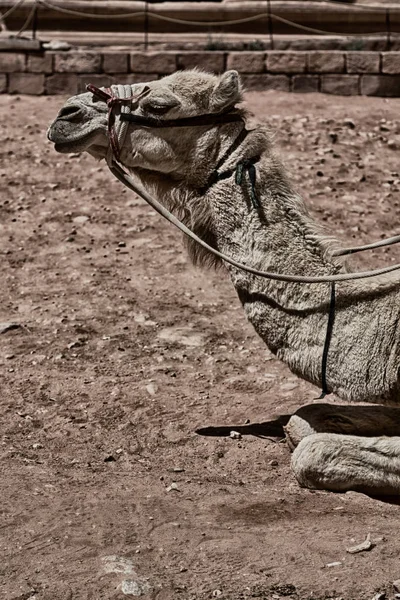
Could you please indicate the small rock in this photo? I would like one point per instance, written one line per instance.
(151, 389)
(364, 546)
(273, 463)
(334, 564)
(56, 45)
(4, 327)
(9, 356)
(130, 587)
(37, 446)
(121, 245)
(216, 593)
(396, 585)
(172, 487)
(333, 137)
(81, 219)
(349, 123)
(76, 344)
(109, 458)
(235, 435)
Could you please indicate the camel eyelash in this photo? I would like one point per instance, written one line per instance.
(157, 109)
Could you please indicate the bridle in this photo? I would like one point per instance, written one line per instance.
(120, 98)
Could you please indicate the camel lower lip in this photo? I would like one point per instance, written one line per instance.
(62, 146)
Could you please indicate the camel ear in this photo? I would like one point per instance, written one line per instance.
(227, 92)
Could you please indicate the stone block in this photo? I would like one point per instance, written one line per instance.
(362, 62)
(133, 78)
(325, 62)
(305, 83)
(207, 61)
(153, 62)
(341, 85)
(391, 63)
(380, 85)
(246, 62)
(264, 81)
(115, 62)
(3, 84)
(40, 63)
(26, 83)
(77, 62)
(62, 83)
(286, 62)
(11, 62)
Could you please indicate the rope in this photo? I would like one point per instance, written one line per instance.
(28, 20)
(124, 178)
(204, 23)
(387, 242)
(12, 9)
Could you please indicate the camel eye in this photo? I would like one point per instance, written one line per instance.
(157, 109)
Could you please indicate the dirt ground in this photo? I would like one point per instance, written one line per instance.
(121, 350)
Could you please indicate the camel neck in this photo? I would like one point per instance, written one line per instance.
(278, 235)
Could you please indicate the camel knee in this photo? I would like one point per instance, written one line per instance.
(309, 461)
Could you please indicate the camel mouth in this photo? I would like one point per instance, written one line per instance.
(64, 143)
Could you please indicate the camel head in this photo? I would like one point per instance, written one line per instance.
(81, 124)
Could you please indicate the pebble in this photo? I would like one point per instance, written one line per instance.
(364, 546)
(216, 593)
(151, 389)
(235, 435)
(334, 564)
(81, 219)
(130, 587)
(9, 356)
(172, 487)
(349, 123)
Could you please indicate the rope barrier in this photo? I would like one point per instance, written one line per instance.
(28, 20)
(206, 23)
(12, 9)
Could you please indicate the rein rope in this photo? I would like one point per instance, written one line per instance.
(117, 130)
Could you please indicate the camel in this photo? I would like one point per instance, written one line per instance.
(228, 186)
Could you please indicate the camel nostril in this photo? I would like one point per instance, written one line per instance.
(68, 112)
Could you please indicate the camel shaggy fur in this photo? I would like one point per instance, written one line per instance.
(278, 235)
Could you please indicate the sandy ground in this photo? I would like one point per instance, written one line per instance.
(123, 350)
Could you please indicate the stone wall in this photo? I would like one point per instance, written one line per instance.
(331, 72)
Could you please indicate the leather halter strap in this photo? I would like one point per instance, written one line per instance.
(120, 100)
(196, 121)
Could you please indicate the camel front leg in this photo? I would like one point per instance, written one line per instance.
(346, 447)
(340, 463)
